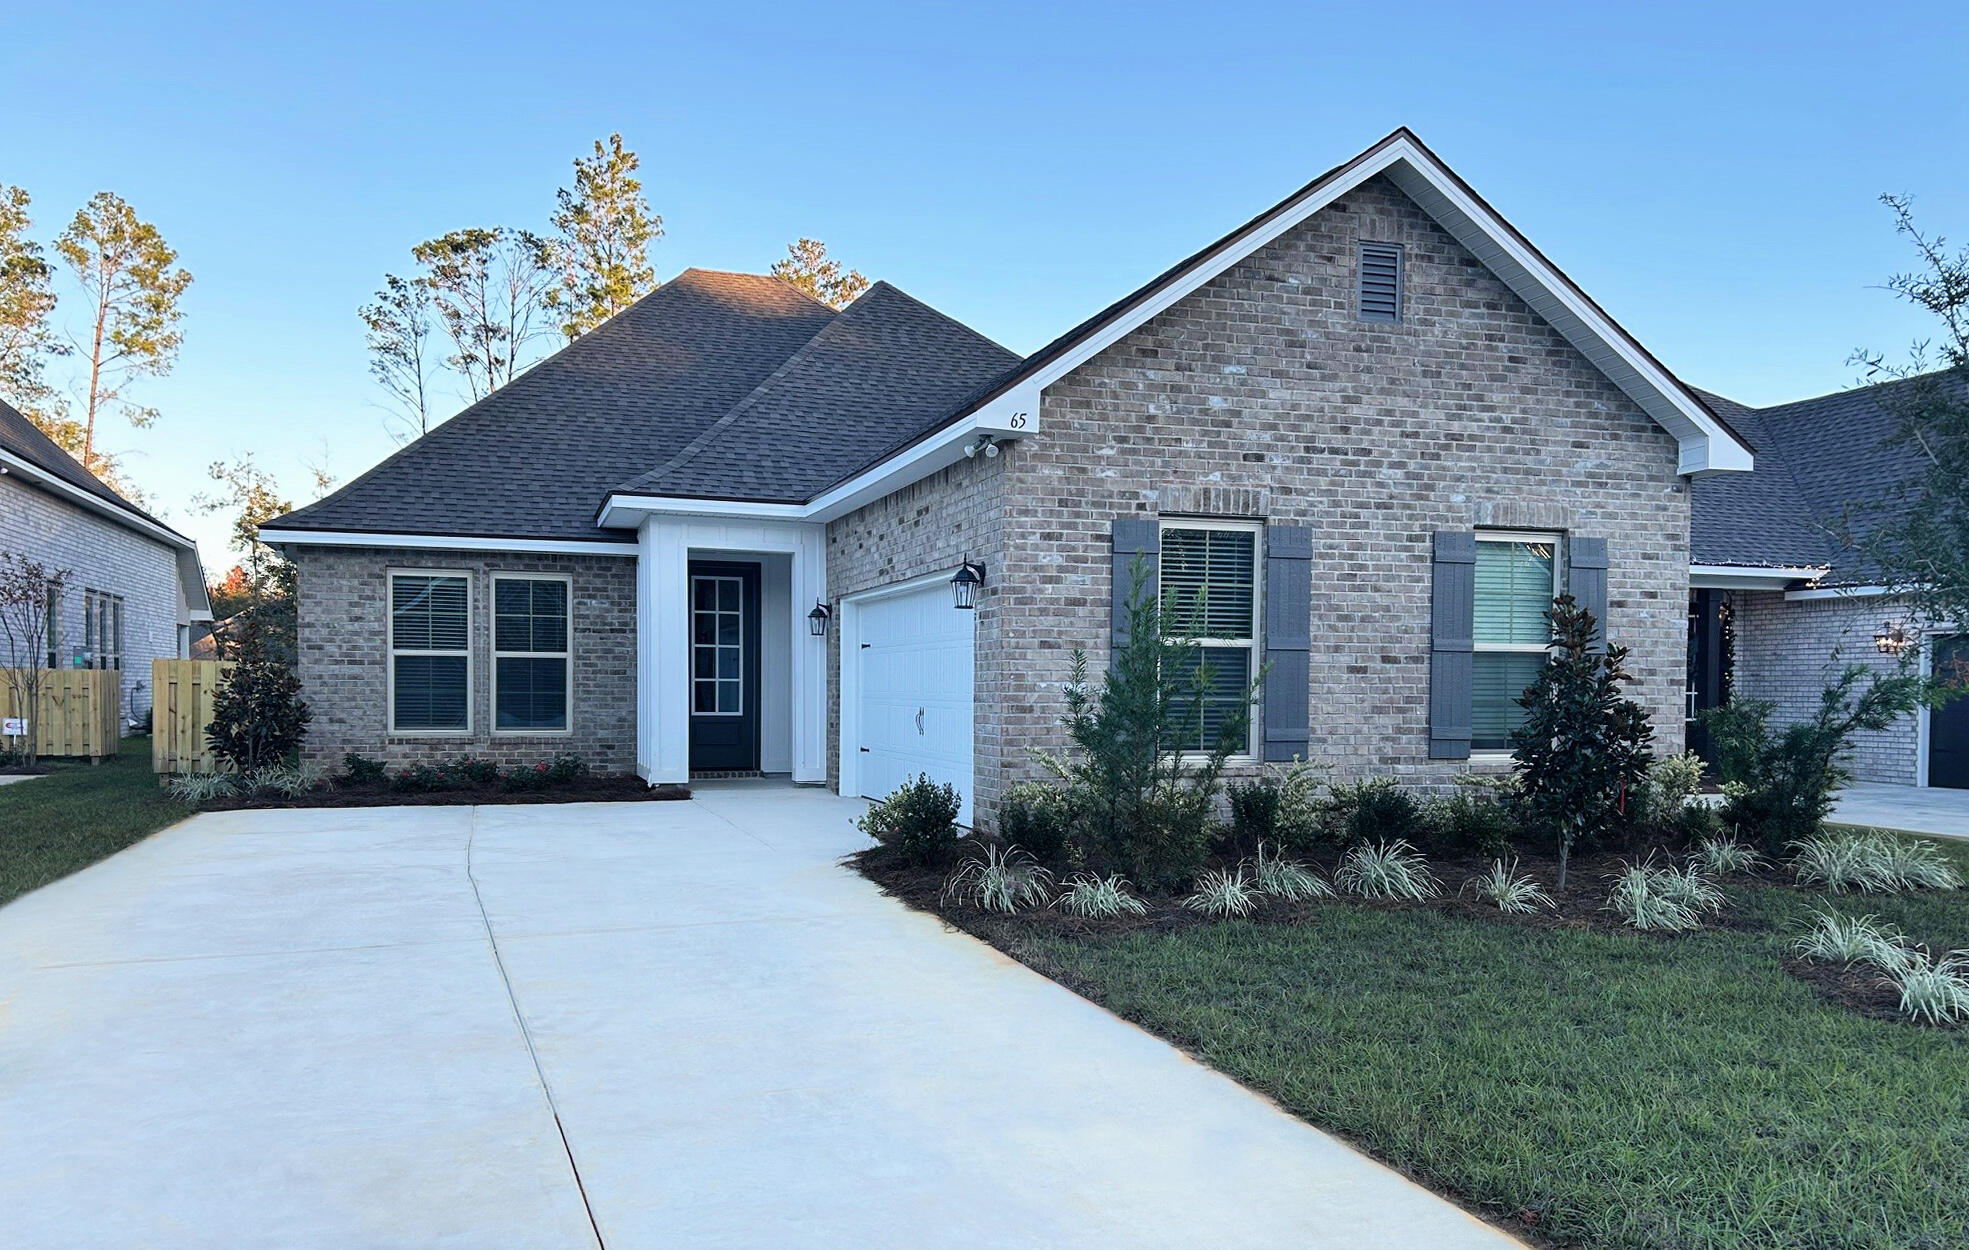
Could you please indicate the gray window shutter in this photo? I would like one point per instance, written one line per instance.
(1586, 578)
(1288, 641)
(1133, 539)
(1452, 614)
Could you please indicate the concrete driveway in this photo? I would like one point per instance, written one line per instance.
(631, 1025)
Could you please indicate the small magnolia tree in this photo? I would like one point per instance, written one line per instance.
(1583, 745)
(258, 717)
(27, 587)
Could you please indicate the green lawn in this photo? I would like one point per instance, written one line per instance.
(53, 825)
(1623, 1091)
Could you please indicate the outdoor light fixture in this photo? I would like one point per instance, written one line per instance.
(1892, 638)
(818, 618)
(964, 584)
(985, 444)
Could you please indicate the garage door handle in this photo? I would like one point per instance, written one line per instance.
(864, 750)
(919, 722)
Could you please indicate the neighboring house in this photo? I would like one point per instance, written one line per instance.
(1781, 603)
(135, 588)
(1374, 429)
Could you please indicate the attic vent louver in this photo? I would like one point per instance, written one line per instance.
(1380, 282)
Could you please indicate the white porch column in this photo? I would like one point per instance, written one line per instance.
(663, 655)
(809, 655)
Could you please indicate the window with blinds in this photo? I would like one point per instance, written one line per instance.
(1380, 282)
(1209, 591)
(530, 654)
(430, 653)
(1517, 578)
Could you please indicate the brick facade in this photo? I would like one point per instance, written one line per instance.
(99, 555)
(343, 659)
(1788, 652)
(1261, 395)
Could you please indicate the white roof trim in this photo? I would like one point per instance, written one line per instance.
(1706, 445)
(1836, 592)
(439, 542)
(1751, 577)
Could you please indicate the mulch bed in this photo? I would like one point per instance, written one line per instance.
(604, 789)
(1856, 987)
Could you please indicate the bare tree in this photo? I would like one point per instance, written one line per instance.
(397, 327)
(490, 288)
(27, 588)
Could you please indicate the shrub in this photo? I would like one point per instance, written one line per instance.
(1094, 897)
(364, 772)
(1003, 879)
(1039, 818)
(1724, 857)
(419, 779)
(1279, 806)
(523, 777)
(1511, 890)
(1142, 795)
(474, 770)
(1850, 940)
(1286, 879)
(1583, 745)
(1375, 810)
(569, 767)
(1652, 898)
(1933, 990)
(1781, 785)
(1385, 870)
(1225, 894)
(918, 820)
(258, 715)
(1468, 821)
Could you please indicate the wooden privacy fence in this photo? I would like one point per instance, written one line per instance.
(81, 710)
(182, 692)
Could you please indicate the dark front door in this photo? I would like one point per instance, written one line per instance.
(724, 616)
(1709, 665)
(1948, 725)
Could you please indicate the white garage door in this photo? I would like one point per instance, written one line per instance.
(914, 691)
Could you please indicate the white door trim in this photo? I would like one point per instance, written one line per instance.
(848, 731)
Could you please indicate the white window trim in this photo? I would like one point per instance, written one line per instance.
(566, 656)
(102, 637)
(690, 613)
(390, 651)
(1493, 755)
(1256, 729)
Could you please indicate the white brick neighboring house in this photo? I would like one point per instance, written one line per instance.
(1779, 607)
(135, 588)
(1374, 426)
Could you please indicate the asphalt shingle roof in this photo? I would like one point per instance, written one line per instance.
(19, 436)
(1818, 460)
(882, 374)
(536, 457)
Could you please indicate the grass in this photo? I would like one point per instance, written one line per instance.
(79, 813)
(1601, 1089)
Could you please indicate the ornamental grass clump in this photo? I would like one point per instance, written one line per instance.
(1286, 879)
(1652, 899)
(1686, 885)
(1725, 856)
(1386, 870)
(1509, 890)
(1935, 990)
(1092, 897)
(1912, 864)
(203, 787)
(1224, 894)
(1003, 879)
(1835, 938)
(1838, 862)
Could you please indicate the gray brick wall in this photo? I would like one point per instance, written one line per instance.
(343, 658)
(99, 555)
(932, 525)
(1261, 395)
(1789, 652)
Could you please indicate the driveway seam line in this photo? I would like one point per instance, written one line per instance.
(526, 1034)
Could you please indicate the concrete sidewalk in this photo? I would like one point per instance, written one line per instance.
(1910, 809)
(295, 1029)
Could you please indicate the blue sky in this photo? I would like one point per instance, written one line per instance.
(1708, 172)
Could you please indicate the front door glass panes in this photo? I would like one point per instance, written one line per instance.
(717, 646)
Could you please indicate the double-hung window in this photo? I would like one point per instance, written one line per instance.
(530, 654)
(1517, 578)
(430, 652)
(102, 629)
(1208, 572)
(51, 622)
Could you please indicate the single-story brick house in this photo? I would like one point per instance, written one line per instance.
(135, 591)
(729, 529)
(1781, 600)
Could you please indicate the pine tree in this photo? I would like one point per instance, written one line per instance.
(605, 229)
(809, 267)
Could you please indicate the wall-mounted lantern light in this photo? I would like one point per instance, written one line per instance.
(1891, 639)
(964, 584)
(818, 618)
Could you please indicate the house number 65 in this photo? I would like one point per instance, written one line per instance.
(1018, 421)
